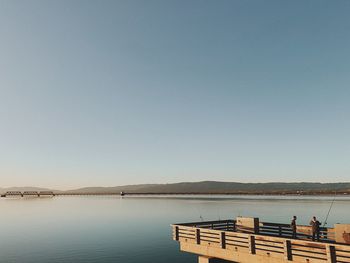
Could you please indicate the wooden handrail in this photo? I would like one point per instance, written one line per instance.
(206, 222)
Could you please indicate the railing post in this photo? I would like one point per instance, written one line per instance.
(251, 241)
(198, 236)
(223, 240)
(177, 233)
(280, 230)
(287, 250)
(331, 254)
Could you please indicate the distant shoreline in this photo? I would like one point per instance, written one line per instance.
(215, 193)
(310, 194)
(205, 193)
(203, 188)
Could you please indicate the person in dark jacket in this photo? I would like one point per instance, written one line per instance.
(315, 225)
(293, 226)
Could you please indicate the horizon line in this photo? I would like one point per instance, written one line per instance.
(188, 182)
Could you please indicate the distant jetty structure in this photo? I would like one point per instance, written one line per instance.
(28, 194)
(12, 193)
(247, 240)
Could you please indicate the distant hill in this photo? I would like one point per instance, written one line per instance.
(221, 188)
(212, 187)
(114, 189)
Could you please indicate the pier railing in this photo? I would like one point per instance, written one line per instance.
(303, 232)
(225, 225)
(273, 241)
(266, 228)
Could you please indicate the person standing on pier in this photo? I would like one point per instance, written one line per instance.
(315, 225)
(293, 226)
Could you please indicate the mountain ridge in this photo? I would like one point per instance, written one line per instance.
(215, 187)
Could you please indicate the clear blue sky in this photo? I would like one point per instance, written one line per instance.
(123, 92)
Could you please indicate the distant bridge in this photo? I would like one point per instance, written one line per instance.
(28, 194)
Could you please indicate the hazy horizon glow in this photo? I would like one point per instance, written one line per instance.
(124, 92)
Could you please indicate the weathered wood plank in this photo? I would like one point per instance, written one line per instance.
(309, 254)
(268, 243)
(270, 249)
(210, 239)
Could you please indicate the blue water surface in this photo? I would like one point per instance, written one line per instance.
(133, 229)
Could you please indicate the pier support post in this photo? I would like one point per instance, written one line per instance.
(251, 242)
(177, 236)
(223, 240)
(198, 236)
(288, 250)
(203, 259)
(331, 256)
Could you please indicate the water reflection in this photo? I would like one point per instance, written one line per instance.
(133, 229)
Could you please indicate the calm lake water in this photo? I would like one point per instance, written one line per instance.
(133, 229)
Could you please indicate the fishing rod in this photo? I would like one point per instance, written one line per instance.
(330, 208)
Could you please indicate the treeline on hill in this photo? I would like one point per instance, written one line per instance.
(210, 187)
(213, 187)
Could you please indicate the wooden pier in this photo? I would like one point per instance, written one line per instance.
(246, 240)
